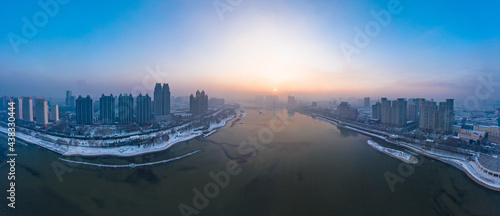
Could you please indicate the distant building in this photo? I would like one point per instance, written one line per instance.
(445, 116)
(386, 112)
(414, 108)
(471, 135)
(70, 99)
(84, 110)
(494, 137)
(377, 111)
(18, 107)
(412, 112)
(27, 109)
(198, 104)
(292, 102)
(399, 112)
(346, 111)
(437, 119)
(126, 108)
(271, 100)
(449, 115)
(161, 102)
(41, 111)
(4, 102)
(54, 113)
(427, 121)
(107, 109)
(216, 102)
(259, 100)
(143, 108)
(367, 102)
(393, 113)
(314, 104)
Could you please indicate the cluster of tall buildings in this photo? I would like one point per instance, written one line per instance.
(268, 100)
(437, 118)
(143, 108)
(346, 111)
(122, 109)
(430, 116)
(25, 110)
(108, 111)
(391, 112)
(216, 102)
(198, 104)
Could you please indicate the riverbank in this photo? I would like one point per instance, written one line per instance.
(122, 151)
(405, 157)
(470, 167)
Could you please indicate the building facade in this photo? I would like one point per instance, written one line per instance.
(367, 102)
(386, 112)
(346, 111)
(198, 104)
(377, 111)
(435, 118)
(216, 102)
(161, 102)
(125, 108)
(107, 109)
(41, 111)
(70, 99)
(84, 110)
(18, 107)
(27, 109)
(143, 108)
(54, 113)
(399, 112)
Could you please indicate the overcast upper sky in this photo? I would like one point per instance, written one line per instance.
(242, 48)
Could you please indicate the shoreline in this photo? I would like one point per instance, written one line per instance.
(122, 151)
(460, 164)
(403, 156)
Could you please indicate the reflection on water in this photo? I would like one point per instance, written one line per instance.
(310, 168)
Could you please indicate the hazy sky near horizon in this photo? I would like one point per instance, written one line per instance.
(430, 49)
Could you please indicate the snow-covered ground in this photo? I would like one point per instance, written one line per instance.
(84, 148)
(405, 157)
(131, 165)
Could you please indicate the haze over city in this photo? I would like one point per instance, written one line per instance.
(427, 49)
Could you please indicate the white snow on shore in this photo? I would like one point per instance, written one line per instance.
(132, 165)
(84, 148)
(405, 157)
(469, 167)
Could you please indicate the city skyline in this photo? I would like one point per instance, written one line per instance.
(257, 47)
(250, 107)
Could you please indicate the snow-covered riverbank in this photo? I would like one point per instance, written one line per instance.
(131, 165)
(403, 156)
(470, 167)
(122, 151)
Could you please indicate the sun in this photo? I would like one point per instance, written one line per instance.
(275, 90)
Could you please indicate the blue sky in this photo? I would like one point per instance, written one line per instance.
(429, 49)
